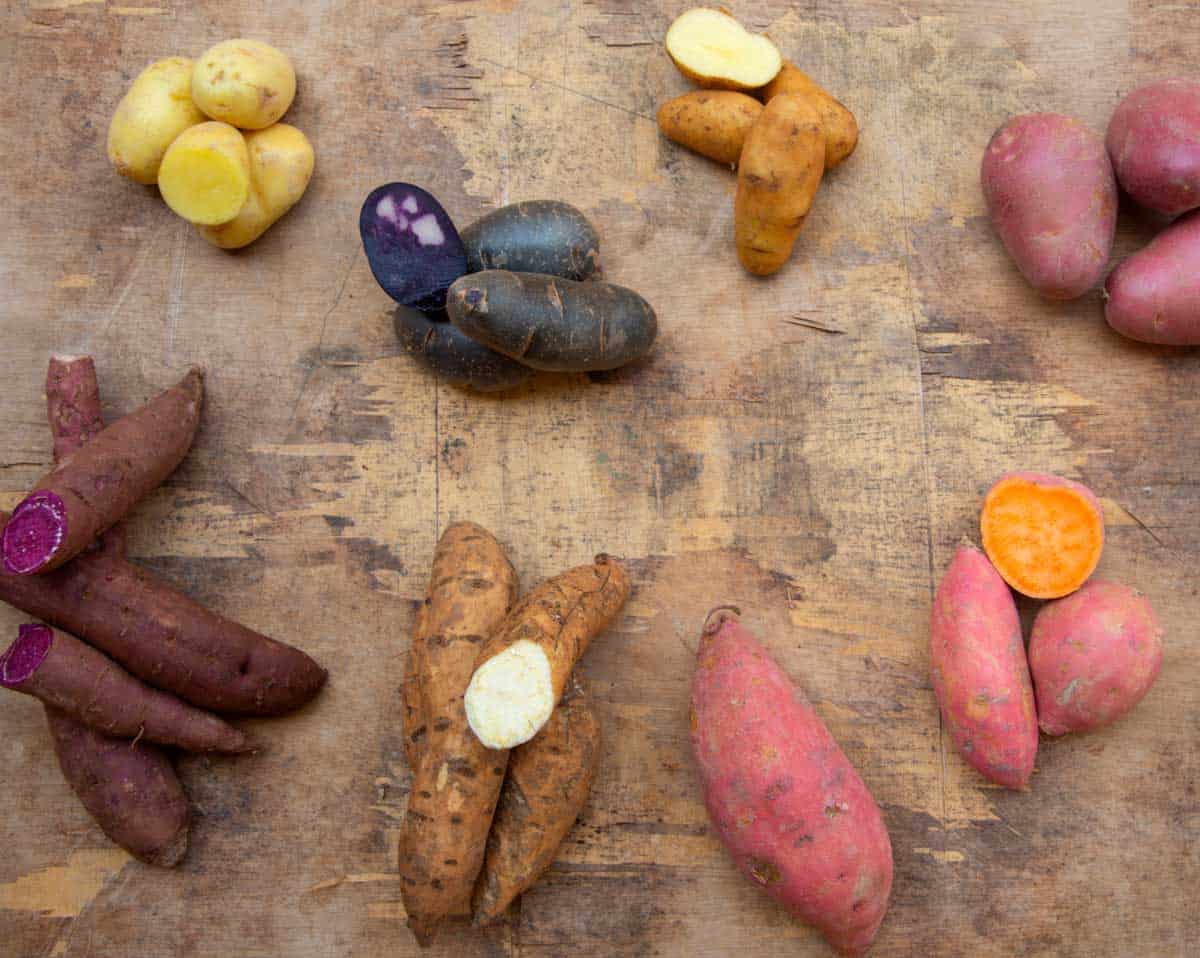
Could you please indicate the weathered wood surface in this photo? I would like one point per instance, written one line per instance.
(820, 481)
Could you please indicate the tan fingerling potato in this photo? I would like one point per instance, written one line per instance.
(205, 174)
(839, 124)
(281, 164)
(781, 167)
(714, 123)
(713, 50)
(245, 83)
(157, 108)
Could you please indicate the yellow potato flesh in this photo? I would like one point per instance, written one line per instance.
(714, 50)
(205, 175)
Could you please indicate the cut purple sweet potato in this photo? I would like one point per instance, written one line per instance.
(412, 246)
(95, 488)
(71, 676)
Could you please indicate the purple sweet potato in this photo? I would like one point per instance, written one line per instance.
(72, 677)
(788, 805)
(1093, 655)
(1154, 296)
(414, 251)
(1154, 143)
(94, 488)
(980, 674)
(1052, 197)
(130, 789)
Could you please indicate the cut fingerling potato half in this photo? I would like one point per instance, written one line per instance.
(712, 49)
(205, 174)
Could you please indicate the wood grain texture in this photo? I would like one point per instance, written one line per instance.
(821, 482)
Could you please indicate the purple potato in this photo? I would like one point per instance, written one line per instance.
(453, 356)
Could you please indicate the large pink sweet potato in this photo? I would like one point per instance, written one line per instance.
(785, 800)
(1154, 296)
(1154, 142)
(980, 674)
(1052, 197)
(1093, 656)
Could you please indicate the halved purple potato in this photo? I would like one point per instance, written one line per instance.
(411, 243)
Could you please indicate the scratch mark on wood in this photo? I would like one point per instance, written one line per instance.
(819, 325)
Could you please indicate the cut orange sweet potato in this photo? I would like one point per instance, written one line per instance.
(1043, 534)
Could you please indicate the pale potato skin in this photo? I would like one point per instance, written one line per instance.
(154, 111)
(245, 83)
(840, 125)
(281, 165)
(780, 169)
(713, 123)
(1154, 296)
(1094, 656)
(177, 183)
(1052, 198)
(1153, 141)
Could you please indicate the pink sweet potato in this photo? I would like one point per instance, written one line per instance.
(1154, 143)
(1052, 197)
(1093, 656)
(980, 674)
(72, 677)
(94, 488)
(784, 799)
(1154, 296)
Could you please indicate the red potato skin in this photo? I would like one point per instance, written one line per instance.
(1154, 296)
(1093, 655)
(1153, 141)
(1052, 197)
(980, 674)
(783, 797)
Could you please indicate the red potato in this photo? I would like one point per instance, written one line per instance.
(980, 674)
(1153, 141)
(1052, 197)
(784, 799)
(72, 677)
(1093, 655)
(1154, 296)
(95, 487)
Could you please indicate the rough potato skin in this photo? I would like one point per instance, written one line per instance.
(1052, 198)
(456, 780)
(155, 110)
(839, 124)
(1093, 655)
(549, 779)
(103, 480)
(980, 674)
(1154, 295)
(452, 355)
(781, 167)
(537, 236)
(550, 323)
(782, 796)
(713, 123)
(245, 83)
(1153, 141)
(131, 790)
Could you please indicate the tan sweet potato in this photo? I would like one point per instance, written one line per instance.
(456, 780)
(839, 124)
(780, 169)
(714, 123)
(549, 779)
(522, 671)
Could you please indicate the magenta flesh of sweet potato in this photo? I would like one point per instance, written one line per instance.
(980, 674)
(788, 805)
(1153, 141)
(1052, 197)
(1154, 296)
(1093, 655)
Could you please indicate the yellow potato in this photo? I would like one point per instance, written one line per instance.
(713, 50)
(781, 166)
(281, 164)
(245, 83)
(157, 108)
(205, 174)
(714, 123)
(841, 128)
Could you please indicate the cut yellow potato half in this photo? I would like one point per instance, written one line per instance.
(712, 49)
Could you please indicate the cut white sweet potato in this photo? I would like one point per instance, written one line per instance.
(712, 49)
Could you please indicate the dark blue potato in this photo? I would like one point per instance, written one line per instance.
(552, 323)
(537, 236)
(454, 357)
(413, 248)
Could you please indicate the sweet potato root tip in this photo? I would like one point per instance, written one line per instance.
(719, 616)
